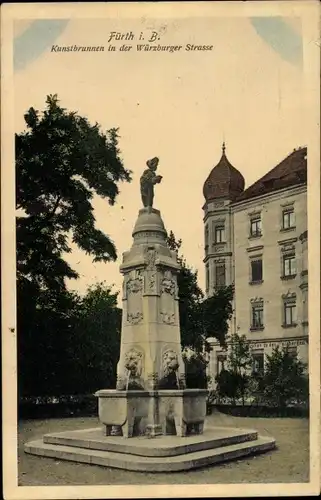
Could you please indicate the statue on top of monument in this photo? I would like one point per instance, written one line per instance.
(147, 182)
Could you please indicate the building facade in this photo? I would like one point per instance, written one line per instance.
(257, 240)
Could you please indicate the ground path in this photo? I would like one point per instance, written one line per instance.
(289, 463)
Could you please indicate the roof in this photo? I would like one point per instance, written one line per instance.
(291, 171)
(224, 181)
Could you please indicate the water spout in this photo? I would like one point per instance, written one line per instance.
(177, 379)
(127, 382)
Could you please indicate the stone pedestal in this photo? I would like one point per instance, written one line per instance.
(150, 354)
(150, 396)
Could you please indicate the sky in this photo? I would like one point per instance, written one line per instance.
(180, 107)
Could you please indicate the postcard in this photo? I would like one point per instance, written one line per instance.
(161, 249)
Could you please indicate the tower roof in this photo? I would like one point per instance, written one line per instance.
(224, 181)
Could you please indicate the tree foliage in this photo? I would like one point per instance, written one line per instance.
(200, 318)
(195, 371)
(96, 344)
(217, 311)
(283, 382)
(190, 300)
(285, 379)
(62, 161)
(73, 350)
(234, 381)
(45, 333)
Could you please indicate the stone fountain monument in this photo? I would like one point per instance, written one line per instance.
(151, 415)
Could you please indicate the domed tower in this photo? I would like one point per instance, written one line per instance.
(223, 185)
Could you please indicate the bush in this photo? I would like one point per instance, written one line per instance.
(262, 411)
(285, 381)
(62, 407)
(195, 372)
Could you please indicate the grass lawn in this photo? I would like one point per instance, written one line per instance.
(288, 463)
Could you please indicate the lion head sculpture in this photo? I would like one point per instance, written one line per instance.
(170, 361)
(133, 360)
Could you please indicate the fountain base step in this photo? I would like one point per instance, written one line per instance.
(145, 454)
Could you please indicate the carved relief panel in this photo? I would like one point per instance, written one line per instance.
(150, 271)
(133, 292)
(167, 298)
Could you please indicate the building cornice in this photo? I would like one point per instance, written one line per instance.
(267, 340)
(218, 212)
(255, 249)
(274, 195)
(287, 241)
(216, 255)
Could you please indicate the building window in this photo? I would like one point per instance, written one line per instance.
(289, 266)
(289, 312)
(256, 271)
(220, 275)
(221, 363)
(258, 363)
(207, 277)
(256, 226)
(219, 234)
(257, 316)
(288, 218)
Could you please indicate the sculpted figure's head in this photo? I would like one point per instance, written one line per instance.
(153, 163)
(170, 361)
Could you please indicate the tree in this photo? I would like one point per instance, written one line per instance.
(285, 380)
(96, 345)
(233, 382)
(195, 370)
(62, 162)
(45, 333)
(199, 318)
(217, 311)
(190, 301)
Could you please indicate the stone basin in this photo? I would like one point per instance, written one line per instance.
(130, 413)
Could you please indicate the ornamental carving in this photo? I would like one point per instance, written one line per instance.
(152, 380)
(149, 234)
(168, 318)
(170, 362)
(150, 259)
(256, 300)
(134, 318)
(218, 248)
(289, 295)
(135, 285)
(120, 383)
(152, 281)
(168, 284)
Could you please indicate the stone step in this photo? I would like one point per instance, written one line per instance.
(132, 462)
(160, 446)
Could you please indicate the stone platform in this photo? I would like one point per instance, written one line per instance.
(159, 454)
